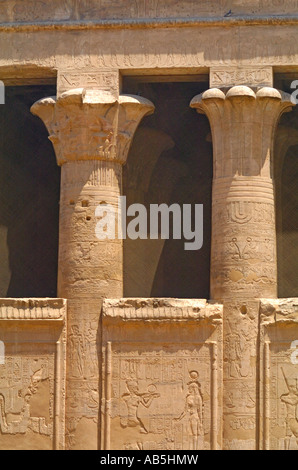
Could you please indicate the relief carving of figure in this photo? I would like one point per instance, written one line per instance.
(233, 354)
(76, 347)
(133, 399)
(19, 423)
(290, 400)
(193, 411)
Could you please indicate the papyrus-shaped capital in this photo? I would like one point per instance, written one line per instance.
(243, 122)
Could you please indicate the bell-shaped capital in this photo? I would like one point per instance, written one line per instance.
(91, 124)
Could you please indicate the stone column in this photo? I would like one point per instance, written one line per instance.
(243, 259)
(91, 131)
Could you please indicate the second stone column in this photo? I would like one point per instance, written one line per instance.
(243, 257)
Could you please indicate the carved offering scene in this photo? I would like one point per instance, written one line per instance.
(162, 395)
(279, 374)
(32, 374)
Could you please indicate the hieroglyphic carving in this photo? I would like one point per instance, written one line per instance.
(250, 76)
(153, 378)
(32, 375)
(165, 395)
(279, 376)
(106, 80)
(15, 412)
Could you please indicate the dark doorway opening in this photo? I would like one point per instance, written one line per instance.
(286, 193)
(170, 161)
(29, 198)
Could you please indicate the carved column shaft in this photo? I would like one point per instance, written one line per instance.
(91, 131)
(243, 258)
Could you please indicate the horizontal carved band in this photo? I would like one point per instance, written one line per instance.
(162, 310)
(32, 309)
(274, 311)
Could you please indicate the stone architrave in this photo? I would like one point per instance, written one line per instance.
(243, 255)
(162, 374)
(91, 131)
(278, 374)
(32, 374)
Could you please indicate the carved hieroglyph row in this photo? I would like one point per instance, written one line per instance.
(101, 79)
(162, 383)
(250, 76)
(279, 374)
(32, 373)
(41, 10)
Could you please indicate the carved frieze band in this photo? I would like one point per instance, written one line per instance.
(32, 309)
(162, 310)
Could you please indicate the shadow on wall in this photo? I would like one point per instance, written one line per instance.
(288, 259)
(29, 198)
(170, 161)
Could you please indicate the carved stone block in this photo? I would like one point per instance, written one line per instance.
(32, 374)
(279, 374)
(102, 79)
(249, 76)
(162, 374)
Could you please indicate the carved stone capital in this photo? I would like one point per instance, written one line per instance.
(89, 124)
(243, 122)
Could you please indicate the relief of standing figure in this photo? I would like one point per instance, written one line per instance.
(291, 401)
(194, 411)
